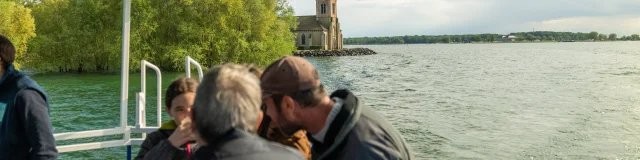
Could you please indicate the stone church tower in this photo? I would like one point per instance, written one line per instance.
(320, 31)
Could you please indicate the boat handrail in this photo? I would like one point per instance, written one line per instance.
(191, 61)
(124, 128)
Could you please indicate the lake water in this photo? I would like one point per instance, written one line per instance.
(458, 101)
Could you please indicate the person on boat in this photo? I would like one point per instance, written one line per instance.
(25, 127)
(339, 125)
(174, 139)
(225, 113)
(268, 130)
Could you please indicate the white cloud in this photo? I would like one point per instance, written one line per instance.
(623, 25)
(410, 17)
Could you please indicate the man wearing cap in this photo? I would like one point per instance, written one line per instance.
(339, 126)
(25, 127)
(225, 112)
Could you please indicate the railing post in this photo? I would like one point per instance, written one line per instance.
(198, 66)
(124, 87)
(144, 64)
(141, 116)
(129, 152)
(188, 67)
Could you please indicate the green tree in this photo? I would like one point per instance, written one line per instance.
(635, 37)
(459, 39)
(18, 25)
(613, 37)
(446, 39)
(602, 37)
(531, 37)
(593, 35)
(476, 38)
(85, 35)
(491, 38)
(623, 38)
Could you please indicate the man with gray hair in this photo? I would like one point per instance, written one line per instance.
(225, 113)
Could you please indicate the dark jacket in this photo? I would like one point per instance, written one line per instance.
(157, 145)
(358, 132)
(25, 130)
(240, 145)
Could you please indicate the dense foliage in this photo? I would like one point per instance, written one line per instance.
(86, 35)
(522, 36)
(17, 23)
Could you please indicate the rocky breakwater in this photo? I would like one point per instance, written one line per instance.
(341, 52)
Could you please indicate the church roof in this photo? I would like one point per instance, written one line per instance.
(309, 23)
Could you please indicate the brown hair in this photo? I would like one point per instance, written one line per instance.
(179, 86)
(306, 98)
(7, 51)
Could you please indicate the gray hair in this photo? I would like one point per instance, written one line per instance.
(228, 97)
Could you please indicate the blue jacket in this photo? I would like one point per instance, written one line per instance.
(25, 129)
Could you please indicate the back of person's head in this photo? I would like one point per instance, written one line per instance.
(179, 86)
(228, 97)
(7, 52)
(294, 77)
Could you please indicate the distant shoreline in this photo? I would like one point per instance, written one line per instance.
(515, 42)
(516, 37)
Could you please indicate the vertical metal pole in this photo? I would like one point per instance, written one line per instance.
(142, 97)
(188, 68)
(143, 77)
(124, 88)
(129, 152)
(159, 96)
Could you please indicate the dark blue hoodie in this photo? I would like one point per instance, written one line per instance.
(25, 129)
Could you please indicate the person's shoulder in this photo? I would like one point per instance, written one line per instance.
(32, 97)
(156, 136)
(28, 93)
(28, 87)
(258, 148)
(375, 137)
(280, 151)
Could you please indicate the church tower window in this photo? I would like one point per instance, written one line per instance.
(323, 9)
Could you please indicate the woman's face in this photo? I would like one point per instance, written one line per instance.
(181, 107)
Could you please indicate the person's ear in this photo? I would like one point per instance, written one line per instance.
(260, 117)
(166, 109)
(288, 108)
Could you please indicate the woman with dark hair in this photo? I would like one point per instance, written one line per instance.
(175, 136)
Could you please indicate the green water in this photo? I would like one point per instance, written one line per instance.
(480, 101)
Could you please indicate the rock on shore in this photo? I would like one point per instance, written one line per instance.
(342, 52)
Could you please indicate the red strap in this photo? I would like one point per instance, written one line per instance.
(188, 150)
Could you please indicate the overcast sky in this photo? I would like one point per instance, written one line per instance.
(434, 17)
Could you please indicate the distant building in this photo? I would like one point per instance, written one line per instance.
(507, 38)
(320, 31)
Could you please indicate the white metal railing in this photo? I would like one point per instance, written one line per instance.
(124, 81)
(124, 129)
(141, 120)
(188, 67)
(158, 87)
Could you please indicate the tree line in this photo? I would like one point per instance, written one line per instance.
(86, 35)
(469, 38)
